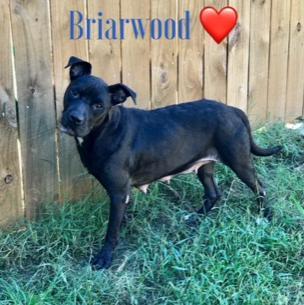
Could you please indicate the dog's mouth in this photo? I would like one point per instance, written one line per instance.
(67, 131)
(74, 132)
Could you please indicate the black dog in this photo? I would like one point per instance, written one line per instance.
(124, 147)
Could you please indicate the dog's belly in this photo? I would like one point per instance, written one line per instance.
(193, 168)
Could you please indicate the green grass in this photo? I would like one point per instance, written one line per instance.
(233, 256)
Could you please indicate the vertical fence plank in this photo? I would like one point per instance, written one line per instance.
(74, 179)
(295, 81)
(215, 62)
(180, 70)
(136, 53)
(258, 60)
(280, 19)
(105, 55)
(164, 58)
(35, 102)
(30, 25)
(191, 52)
(10, 180)
(238, 57)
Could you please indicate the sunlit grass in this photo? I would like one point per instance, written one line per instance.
(232, 256)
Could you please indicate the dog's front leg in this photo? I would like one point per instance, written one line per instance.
(117, 209)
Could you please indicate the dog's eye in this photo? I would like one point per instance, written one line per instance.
(97, 106)
(75, 94)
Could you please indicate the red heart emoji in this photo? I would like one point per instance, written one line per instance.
(218, 24)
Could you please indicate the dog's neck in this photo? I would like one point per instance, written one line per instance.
(108, 125)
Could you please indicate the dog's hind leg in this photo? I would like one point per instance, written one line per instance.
(212, 194)
(245, 170)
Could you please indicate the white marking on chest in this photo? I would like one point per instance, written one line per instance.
(193, 168)
(80, 140)
(127, 199)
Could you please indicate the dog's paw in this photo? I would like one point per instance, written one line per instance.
(102, 260)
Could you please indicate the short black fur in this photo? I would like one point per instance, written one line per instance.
(126, 147)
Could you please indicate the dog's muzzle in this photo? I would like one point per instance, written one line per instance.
(67, 130)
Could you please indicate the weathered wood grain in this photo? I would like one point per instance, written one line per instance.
(295, 79)
(191, 53)
(164, 59)
(136, 53)
(75, 183)
(260, 69)
(30, 25)
(259, 60)
(105, 55)
(238, 57)
(277, 83)
(11, 206)
(215, 62)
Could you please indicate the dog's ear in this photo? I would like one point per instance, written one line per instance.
(120, 92)
(78, 67)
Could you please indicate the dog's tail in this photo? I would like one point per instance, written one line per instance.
(255, 149)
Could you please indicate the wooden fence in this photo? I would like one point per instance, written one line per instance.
(259, 69)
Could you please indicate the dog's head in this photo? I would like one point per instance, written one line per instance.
(88, 99)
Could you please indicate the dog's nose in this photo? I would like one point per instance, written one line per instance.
(76, 118)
